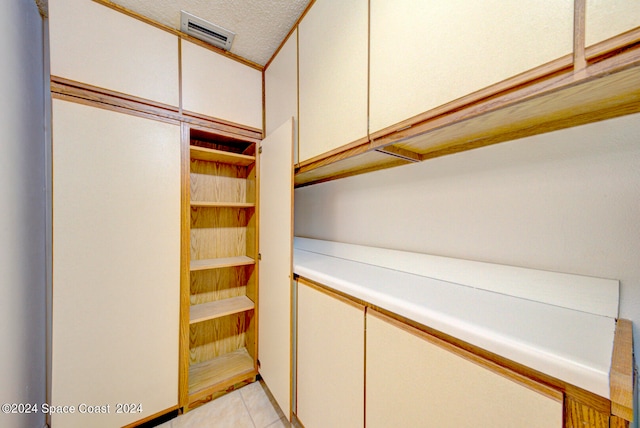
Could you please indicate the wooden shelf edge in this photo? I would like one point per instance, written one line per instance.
(213, 155)
(206, 204)
(220, 308)
(621, 377)
(209, 376)
(219, 263)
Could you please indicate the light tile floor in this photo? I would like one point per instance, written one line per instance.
(247, 407)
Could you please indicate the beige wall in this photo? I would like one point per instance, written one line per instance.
(567, 201)
(22, 211)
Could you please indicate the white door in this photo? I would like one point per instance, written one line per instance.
(116, 266)
(275, 267)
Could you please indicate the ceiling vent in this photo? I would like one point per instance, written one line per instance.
(206, 31)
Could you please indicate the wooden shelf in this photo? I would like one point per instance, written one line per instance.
(206, 204)
(212, 155)
(222, 262)
(220, 308)
(209, 373)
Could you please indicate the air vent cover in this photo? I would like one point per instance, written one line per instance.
(206, 31)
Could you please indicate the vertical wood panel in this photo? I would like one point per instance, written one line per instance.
(579, 415)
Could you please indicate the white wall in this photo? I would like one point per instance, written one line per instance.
(22, 211)
(567, 201)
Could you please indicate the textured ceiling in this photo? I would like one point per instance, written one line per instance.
(260, 25)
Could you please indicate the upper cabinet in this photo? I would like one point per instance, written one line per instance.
(219, 87)
(281, 88)
(426, 54)
(608, 18)
(98, 46)
(333, 39)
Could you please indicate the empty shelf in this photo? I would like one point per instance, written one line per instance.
(222, 262)
(209, 373)
(220, 308)
(212, 155)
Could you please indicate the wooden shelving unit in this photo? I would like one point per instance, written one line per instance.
(220, 349)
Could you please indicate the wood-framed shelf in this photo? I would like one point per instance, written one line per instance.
(221, 262)
(206, 204)
(213, 155)
(220, 308)
(219, 296)
(209, 374)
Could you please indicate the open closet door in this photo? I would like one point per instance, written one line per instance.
(275, 266)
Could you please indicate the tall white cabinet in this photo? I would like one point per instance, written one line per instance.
(116, 265)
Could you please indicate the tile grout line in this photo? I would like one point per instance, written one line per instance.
(247, 409)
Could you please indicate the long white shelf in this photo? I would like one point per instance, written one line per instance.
(569, 344)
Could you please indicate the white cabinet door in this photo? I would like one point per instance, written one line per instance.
(333, 39)
(116, 264)
(427, 53)
(216, 86)
(281, 89)
(330, 360)
(608, 18)
(276, 249)
(93, 44)
(411, 381)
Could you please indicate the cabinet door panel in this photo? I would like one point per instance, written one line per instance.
(116, 263)
(427, 53)
(333, 76)
(276, 248)
(330, 361)
(93, 44)
(418, 383)
(608, 18)
(216, 86)
(281, 89)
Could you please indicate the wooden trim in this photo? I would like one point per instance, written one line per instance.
(180, 92)
(83, 93)
(185, 255)
(73, 87)
(344, 152)
(204, 396)
(178, 33)
(240, 131)
(152, 417)
(579, 20)
(617, 43)
(332, 293)
(293, 28)
(621, 377)
(579, 415)
(111, 100)
(525, 381)
(398, 152)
